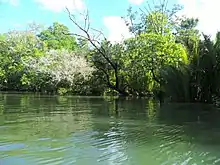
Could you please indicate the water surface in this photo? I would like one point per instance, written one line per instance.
(51, 130)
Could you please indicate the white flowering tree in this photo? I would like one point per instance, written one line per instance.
(63, 68)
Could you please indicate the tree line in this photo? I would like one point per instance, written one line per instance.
(167, 57)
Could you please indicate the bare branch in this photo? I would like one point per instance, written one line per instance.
(88, 26)
(86, 20)
(99, 47)
(153, 2)
(149, 7)
(81, 36)
(72, 17)
(166, 4)
(100, 33)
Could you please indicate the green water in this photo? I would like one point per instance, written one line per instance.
(43, 130)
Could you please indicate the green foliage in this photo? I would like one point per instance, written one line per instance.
(165, 57)
(16, 48)
(189, 36)
(157, 22)
(147, 54)
(58, 37)
(62, 91)
(177, 85)
(156, 19)
(156, 50)
(199, 80)
(187, 71)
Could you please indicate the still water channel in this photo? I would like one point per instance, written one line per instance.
(52, 130)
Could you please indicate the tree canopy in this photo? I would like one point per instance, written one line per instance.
(167, 57)
(56, 37)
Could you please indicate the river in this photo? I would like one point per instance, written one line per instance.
(62, 130)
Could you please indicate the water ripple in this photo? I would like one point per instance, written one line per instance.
(82, 131)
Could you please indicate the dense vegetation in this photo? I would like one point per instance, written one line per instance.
(166, 57)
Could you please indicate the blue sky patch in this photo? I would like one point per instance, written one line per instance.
(104, 14)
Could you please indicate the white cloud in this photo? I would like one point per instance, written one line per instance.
(60, 5)
(207, 11)
(11, 2)
(136, 2)
(117, 29)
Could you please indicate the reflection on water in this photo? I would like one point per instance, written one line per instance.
(48, 130)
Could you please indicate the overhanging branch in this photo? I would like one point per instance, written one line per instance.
(87, 36)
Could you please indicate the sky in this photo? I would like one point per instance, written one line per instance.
(105, 15)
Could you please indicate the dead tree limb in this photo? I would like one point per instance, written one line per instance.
(105, 54)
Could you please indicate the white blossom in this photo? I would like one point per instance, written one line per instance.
(62, 65)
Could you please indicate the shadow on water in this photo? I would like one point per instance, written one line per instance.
(38, 129)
